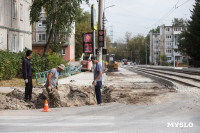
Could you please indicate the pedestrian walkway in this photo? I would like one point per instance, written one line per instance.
(80, 79)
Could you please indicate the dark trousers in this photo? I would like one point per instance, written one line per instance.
(28, 89)
(98, 91)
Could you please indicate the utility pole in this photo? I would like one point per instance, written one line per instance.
(100, 27)
(146, 52)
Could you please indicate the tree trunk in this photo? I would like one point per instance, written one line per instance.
(48, 42)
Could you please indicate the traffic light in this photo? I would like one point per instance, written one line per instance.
(101, 38)
(97, 51)
(104, 51)
(88, 43)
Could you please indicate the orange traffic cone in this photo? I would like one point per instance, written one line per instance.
(46, 107)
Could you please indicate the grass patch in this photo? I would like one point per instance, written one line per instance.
(15, 82)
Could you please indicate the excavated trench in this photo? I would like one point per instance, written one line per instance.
(71, 95)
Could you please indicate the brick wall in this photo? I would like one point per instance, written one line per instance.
(39, 50)
(69, 52)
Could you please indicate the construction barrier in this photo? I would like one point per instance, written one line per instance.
(68, 71)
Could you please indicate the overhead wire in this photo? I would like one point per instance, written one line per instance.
(167, 14)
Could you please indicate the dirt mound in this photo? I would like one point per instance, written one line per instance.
(14, 103)
(77, 96)
(71, 95)
(19, 94)
(65, 96)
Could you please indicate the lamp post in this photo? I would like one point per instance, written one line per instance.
(104, 14)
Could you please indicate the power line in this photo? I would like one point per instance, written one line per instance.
(168, 13)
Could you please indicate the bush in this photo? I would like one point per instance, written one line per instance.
(54, 60)
(11, 63)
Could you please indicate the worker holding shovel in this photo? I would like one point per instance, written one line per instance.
(51, 85)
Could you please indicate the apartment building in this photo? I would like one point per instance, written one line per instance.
(154, 48)
(40, 39)
(165, 42)
(15, 28)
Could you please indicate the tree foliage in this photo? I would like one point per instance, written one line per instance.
(60, 14)
(133, 49)
(83, 25)
(189, 41)
(178, 22)
(136, 46)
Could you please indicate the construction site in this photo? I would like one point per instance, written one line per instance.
(122, 87)
(128, 98)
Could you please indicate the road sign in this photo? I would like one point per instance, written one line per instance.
(88, 43)
(101, 38)
(93, 17)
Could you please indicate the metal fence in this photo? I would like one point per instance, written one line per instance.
(68, 71)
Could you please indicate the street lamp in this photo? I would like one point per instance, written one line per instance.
(108, 7)
(105, 17)
(104, 14)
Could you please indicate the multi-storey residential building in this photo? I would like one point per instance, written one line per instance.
(40, 39)
(165, 42)
(154, 48)
(15, 28)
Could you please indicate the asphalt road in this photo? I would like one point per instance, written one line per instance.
(167, 117)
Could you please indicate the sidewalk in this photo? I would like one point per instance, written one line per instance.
(81, 79)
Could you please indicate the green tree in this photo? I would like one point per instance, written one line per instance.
(178, 22)
(136, 47)
(163, 59)
(60, 14)
(189, 41)
(83, 25)
(108, 44)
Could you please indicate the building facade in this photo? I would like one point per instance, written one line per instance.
(154, 48)
(40, 39)
(15, 28)
(166, 42)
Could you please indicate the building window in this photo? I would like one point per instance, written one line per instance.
(42, 37)
(63, 51)
(169, 58)
(14, 9)
(155, 42)
(168, 43)
(178, 58)
(177, 29)
(167, 29)
(168, 36)
(14, 43)
(21, 12)
(42, 23)
(168, 51)
(21, 43)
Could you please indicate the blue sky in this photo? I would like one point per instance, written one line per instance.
(139, 16)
